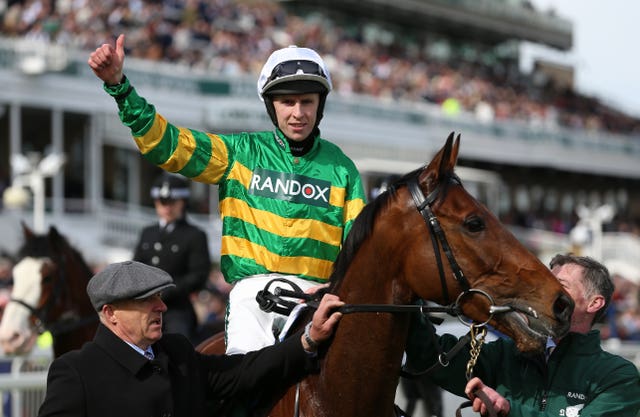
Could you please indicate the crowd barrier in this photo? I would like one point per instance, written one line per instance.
(23, 379)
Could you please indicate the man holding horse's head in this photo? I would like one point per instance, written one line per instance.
(574, 377)
(131, 369)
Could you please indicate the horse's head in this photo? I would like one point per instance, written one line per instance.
(454, 249)
(495, 277)
(39, 297)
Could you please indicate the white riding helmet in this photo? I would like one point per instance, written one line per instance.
(294, 70)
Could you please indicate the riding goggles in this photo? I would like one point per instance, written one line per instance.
(287, 68)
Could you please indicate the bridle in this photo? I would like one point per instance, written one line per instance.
(438, 239)
(477, 332)
(66, 322)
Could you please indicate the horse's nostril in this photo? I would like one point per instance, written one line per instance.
(563, 308)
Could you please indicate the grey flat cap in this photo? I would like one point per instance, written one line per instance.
(125, 281)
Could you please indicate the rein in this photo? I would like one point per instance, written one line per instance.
(475, 337)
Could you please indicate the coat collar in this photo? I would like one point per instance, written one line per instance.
(124, 354)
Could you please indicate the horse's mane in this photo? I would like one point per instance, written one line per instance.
(362, 227)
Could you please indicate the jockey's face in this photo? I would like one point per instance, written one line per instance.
(296, 114)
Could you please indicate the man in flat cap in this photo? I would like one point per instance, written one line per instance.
(130, 369)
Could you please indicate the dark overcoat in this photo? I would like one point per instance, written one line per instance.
(109, 378)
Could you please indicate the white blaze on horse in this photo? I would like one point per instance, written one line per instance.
(49, 293)
(16, 335)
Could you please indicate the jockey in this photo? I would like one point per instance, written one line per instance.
(287, 196)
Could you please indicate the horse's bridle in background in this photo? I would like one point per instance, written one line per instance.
(64, 324)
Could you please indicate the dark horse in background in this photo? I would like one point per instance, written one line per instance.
(49, 293)
(424, 238)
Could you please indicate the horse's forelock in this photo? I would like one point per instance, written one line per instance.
(35, 247)
(52, 246)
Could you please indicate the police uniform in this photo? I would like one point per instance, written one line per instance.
(180, 249)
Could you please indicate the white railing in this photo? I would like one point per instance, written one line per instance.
(22, 383)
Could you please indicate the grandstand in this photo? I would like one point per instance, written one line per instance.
(406, 73)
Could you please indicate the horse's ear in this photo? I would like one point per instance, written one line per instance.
(443, 163)
(58, 242)
(54, 235)
(26, 231)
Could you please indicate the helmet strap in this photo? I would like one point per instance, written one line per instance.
(271, 110)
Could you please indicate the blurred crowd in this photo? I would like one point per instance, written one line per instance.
(623, 317)
(233, 37)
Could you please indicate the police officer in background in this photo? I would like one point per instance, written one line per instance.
(177, 247)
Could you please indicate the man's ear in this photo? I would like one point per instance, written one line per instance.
(596, 303)
(109, 313)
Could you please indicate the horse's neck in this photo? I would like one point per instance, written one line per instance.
(82, 275)
(360, 372)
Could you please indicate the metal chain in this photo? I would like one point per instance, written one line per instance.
(478, 334)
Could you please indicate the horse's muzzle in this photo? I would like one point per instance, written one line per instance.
(562, 310)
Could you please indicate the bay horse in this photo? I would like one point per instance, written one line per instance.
(393, 256)
(49, 293)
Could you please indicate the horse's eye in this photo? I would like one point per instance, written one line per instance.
(47, 279)
(474, 224)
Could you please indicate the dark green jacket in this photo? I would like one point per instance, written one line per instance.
(580, 379)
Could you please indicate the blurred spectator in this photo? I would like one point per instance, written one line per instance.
(233, 38)
(211, 305)
(623, 316)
